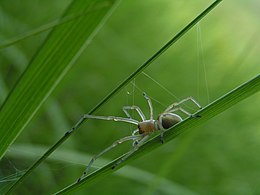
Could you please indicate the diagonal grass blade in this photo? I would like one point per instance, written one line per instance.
(124, 83)
(218, 106)
(49, 65)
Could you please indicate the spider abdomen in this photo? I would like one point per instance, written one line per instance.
(167, 120)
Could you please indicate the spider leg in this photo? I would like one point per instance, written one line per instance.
(116, 143)
(135, 148)
(112, 118)
(162, 130)
(135, 131)
(138, 110)
(150, 104)
(182, 110)
(162, 135)
(190, 99)
(109, 118)
(174, 105)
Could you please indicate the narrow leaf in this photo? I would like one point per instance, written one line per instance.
(220, 105)
(61, 48)
(120, 86)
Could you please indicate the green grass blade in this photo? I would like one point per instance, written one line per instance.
(55, 57)
(61, 49)
(46, 27)
(220, 105)
(157, 54)
(124, 83)
(26, 151)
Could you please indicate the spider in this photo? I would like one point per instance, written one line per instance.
(144, 129)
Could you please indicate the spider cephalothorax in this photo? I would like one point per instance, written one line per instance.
(145, 127)
(148, 126)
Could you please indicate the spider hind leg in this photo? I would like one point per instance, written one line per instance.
(116, 143)
(135, 148)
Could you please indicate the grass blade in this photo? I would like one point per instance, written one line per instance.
(124, 83)
(45, 27)
(157, 54)
(65, 156)
(48, 67)
(220, 105)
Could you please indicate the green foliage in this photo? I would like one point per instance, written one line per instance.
(48, 66)
(211, 59)
(215, 108)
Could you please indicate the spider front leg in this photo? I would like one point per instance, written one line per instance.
(138, 110)
(149, 104)
(135, 148)
(116, 143)
(109, 118)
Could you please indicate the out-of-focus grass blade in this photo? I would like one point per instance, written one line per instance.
(120, 86)
(49, 65)
(220, 105)
(68, 18)
(27, 151)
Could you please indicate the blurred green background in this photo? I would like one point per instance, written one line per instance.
(218, 54)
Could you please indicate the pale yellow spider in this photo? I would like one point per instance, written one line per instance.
(164, 121)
